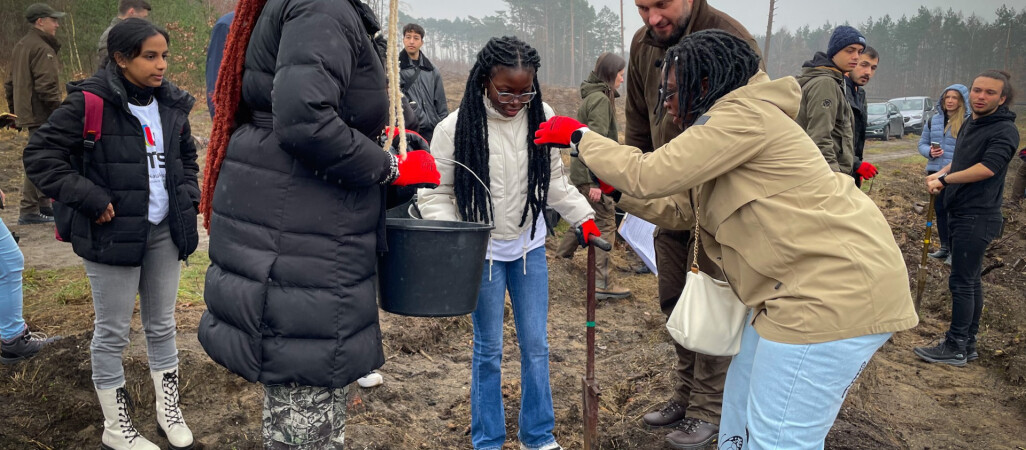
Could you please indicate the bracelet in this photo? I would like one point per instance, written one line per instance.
(393, 169)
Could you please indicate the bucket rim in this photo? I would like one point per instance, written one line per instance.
(435, 225)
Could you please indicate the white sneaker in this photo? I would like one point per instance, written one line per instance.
(552, 446)
(370, 380)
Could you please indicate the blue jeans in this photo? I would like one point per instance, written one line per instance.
(529, 295)
(796, 393)
(970, 236)
(12, 263)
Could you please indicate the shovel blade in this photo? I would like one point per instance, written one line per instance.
(590, 390)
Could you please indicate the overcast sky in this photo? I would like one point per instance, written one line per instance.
(791, 14)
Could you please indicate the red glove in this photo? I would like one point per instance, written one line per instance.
(1022, 154)
(586, 230)
(866, 170)
(556, 131)
(418, 169)
(605, 188)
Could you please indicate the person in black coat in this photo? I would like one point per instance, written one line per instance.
(126, 200)
(294, 197)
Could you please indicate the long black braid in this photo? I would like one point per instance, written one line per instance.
(724, 60)
(471, 138)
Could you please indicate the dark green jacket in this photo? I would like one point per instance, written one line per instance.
(33, 90)
(599, 114)
(825, 114)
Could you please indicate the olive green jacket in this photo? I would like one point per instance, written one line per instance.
(33, 90)
(599, 114)
(825, 113)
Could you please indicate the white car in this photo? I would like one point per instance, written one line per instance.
(916, 111)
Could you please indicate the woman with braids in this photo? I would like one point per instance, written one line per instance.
(824, 293)
(126, 200)
(490, 133)
(294, 199)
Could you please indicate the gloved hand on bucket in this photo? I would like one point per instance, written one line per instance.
(418, 170)
(556, 131)
(586, 231)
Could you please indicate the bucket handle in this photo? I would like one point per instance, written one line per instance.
(483, 184)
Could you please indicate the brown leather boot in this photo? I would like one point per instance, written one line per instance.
(671, 414)
(610, 292)
(693, 433)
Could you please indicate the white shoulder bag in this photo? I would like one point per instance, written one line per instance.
(709, 317)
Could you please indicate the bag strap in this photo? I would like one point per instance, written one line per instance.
(93, 122)
(694, 259)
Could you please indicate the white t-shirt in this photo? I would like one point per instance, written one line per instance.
(153, 135)
(514, 249)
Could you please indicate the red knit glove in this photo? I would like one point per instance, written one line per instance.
(866, 170)
(556, 131)
(605, 188)
(418, 170)
(1022, 154)
(585, 231)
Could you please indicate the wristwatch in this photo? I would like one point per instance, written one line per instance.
(942, 180)
(575, 137)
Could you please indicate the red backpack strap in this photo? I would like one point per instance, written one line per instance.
(93, 119)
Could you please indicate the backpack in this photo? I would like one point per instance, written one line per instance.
(91, 132)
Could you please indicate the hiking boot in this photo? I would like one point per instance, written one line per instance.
(24, 346)
(948, 351)
(611, 292)
(46, 210)
(642, 269)
(34, 218)
(947, 261)
(671, 414)
(940, 254)
(694, 433)
(170, 424)
(970, 351)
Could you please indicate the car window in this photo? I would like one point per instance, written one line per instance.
(878, 109)
(906, 105)
(894, 109)
(929, 104)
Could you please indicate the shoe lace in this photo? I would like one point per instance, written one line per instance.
(169, 386)
(125, 407)
(35, 336)
(690, 425)
(671, 408)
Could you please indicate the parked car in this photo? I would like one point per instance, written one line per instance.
(884, 120)
(917, 111)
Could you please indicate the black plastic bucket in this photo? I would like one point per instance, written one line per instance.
(433, 268)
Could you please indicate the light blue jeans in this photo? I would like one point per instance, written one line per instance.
(12, 264)
(114, 290)
(793, 399)
(529, 294)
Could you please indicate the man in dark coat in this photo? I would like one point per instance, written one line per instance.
(421, 82)
(698, 395)
(33, 92)
(855, 83)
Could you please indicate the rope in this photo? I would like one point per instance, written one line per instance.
(395, 106)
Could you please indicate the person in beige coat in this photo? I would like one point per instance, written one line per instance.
(824, 293)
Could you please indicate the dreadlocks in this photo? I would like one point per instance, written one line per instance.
(471, 138)
(721, 59)
(227, 92)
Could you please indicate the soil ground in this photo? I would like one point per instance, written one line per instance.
(898, 403)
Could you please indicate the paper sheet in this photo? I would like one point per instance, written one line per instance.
(639, 234)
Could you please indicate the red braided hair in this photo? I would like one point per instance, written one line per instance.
(227, 92)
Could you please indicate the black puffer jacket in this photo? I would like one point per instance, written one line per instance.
(298, 210)
(115, 171)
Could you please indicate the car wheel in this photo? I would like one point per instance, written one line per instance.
(887, 133)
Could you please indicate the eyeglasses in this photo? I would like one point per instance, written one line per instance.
(508, 97)
(664, 96)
